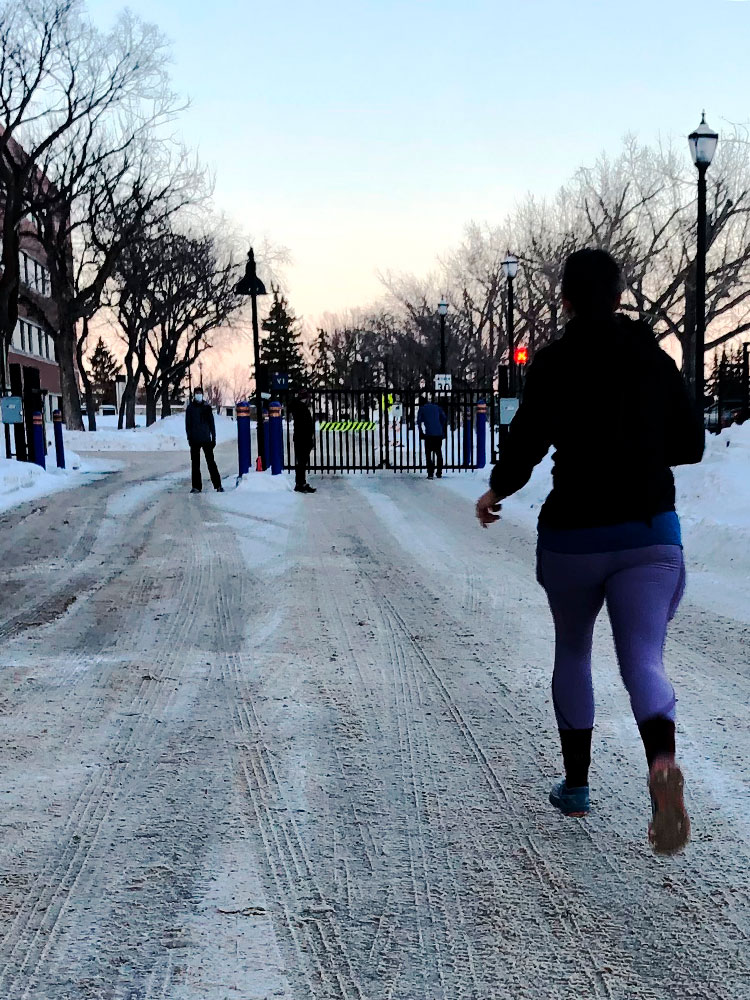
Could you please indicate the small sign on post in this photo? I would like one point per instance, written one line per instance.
(11, 409)
(443, 383)
(508, 408)
(279, 381)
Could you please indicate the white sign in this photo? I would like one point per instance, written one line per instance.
(443, 383)
(508, 408)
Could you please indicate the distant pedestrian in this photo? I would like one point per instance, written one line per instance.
(201, 434)
(433, 426)
(608, 531)
(304, 435)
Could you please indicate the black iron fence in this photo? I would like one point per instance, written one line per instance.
(364, 430)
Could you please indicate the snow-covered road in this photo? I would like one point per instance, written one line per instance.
(264, 746)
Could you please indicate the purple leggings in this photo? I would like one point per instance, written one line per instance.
(642, 588)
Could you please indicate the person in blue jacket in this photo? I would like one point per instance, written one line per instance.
(433, 425)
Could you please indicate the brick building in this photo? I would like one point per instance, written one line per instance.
(30, 364)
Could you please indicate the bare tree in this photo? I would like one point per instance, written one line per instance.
(172, 291)
(74, 103)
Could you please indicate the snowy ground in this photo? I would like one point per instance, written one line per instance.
(262, 745)
(24, 481)
(164, 435)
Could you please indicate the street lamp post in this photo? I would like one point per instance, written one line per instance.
(443, 311)
(510, 269)
(251, 285)
(702, 147)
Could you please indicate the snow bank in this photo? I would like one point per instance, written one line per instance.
(22, 481)
(713, 501)
(165, 435)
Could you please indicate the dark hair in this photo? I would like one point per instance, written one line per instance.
(198, 388)
(591, 282)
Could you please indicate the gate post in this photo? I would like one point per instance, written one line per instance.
(276, 437)
(468, 438)
(59, 444)
(481, 434)
(243, 437)
(39, 441)
(267, 437)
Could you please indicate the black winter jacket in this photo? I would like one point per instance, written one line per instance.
(199, 424)
(618, 414)
(304, 425)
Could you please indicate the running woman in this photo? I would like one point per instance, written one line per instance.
(617, 412)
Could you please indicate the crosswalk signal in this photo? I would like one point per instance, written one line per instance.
(521, 355)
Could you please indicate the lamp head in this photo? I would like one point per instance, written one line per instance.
(510, 266)
(703, 143)
(442, 307)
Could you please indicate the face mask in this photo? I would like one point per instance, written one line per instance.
(198, 397)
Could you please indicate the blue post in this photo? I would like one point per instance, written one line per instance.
(39, 440)
(243, 437)
(481, 434)
(59, 445)
(468, 439)
(277, 438)
(267, 436)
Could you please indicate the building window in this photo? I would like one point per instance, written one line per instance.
(40, 342)
(34, 274)
(22, 326)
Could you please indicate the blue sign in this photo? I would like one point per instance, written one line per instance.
(279, 381)
(11, 409)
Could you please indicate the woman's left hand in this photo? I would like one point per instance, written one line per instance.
(488, 508)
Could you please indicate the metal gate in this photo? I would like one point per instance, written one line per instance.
(365, 430)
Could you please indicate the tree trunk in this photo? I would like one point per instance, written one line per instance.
(66, 341)
(166, 402)
(150, 406)
(88, 389)
(90, 406)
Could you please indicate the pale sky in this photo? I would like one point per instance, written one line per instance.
(364, 134)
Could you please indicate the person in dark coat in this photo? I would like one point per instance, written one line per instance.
(433, 426)
(304, 435)
(201, 434)
(617, 412)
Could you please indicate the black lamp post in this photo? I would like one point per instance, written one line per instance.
(251, 285)
(443, 311)
(510, 269)
(702, 147)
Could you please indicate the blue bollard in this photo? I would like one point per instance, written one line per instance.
(243, 437)
(39, 442)
(59, 444)
(468, 439)
(277, 438)
(267, 436)
(481, 434)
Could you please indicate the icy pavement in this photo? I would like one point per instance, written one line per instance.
(260, 745)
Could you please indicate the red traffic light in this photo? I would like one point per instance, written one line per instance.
(521, 355)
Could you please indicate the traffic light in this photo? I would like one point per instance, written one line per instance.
(521, 355)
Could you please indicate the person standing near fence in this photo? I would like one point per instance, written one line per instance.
(304, 435)
(201, 434)
(433, 426)
(608, 531)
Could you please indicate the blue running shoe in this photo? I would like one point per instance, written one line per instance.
(570, 801)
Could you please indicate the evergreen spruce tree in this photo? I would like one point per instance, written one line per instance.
(103, 366)
(322, 367)
(281, 348)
